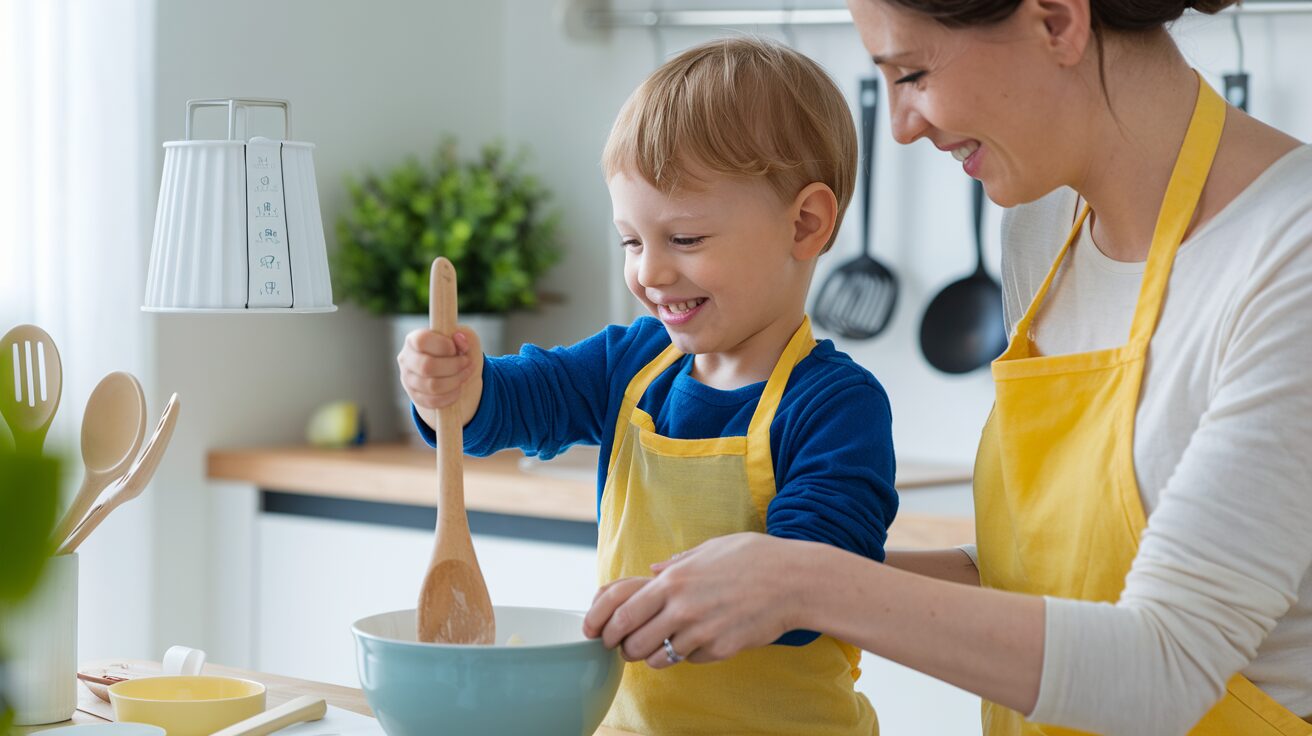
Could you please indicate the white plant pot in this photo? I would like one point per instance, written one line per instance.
(491, 329)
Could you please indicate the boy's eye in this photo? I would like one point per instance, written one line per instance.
(630, 242)
(687, 241)
(910, 78)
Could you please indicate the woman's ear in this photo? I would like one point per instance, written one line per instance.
(1064, 27)
(815, 214)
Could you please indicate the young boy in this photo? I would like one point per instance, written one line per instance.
(729, 170)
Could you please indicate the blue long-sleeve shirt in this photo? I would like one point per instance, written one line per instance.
(831, 438)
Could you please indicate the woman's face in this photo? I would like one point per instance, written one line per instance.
(998, 98)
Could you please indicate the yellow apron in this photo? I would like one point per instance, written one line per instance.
(1057, 503)
(666, 495)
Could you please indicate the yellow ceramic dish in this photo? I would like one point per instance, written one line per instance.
(186, 705)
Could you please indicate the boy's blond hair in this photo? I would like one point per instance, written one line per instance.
(742, 107)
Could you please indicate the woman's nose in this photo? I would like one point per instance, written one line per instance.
(907, 123)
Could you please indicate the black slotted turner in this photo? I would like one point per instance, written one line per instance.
(856, 301)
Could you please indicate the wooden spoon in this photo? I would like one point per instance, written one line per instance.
(129, 486)
(29, 362)
(296, 710)
(112, 428)
(454, 607)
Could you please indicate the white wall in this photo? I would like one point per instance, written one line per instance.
(370, 83)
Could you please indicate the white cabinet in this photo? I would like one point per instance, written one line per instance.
(315, 577)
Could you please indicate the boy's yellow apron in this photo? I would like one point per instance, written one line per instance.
(665, 495)
(1057, 502)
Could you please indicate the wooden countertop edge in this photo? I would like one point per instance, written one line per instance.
(403, 474)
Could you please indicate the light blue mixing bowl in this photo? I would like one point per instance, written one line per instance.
(557, 683)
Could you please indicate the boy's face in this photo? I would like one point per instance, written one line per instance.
(714, 264)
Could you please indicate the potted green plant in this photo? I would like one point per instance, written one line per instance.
(485, 213)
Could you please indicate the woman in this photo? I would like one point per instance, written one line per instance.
(1142, 506)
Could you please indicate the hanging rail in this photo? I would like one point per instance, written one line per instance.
(600, 18)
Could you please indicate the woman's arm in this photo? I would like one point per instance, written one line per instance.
(745, 590)
(952, 565)
(995, 650)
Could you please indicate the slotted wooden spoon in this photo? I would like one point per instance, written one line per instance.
(454, 606)
(31, 380)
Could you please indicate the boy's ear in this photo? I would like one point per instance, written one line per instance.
(815, 212)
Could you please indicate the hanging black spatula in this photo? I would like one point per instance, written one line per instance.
(857, 299)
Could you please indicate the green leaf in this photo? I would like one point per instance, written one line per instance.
(484, 213)
(29, 498)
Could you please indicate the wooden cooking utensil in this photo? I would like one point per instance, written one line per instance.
(29, 362)
(112, 428)
(129, 486)
(454, 606)
(296, 710)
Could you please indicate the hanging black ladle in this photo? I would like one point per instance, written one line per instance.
(964, 327)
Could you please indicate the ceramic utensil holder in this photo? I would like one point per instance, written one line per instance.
(40, 642)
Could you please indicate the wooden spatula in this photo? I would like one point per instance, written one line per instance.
(129, 486)
(454, 606)
(113, 426)
(31, 380)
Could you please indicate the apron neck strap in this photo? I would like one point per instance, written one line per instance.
(1178, 206)
(799, 346)
(1183, 191)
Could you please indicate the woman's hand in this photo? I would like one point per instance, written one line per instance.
(438, 371)
(711, 602)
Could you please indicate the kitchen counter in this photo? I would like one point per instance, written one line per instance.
(561, 490)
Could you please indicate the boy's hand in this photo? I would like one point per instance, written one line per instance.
(437, 372)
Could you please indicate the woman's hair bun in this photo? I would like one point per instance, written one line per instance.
(1209, 7)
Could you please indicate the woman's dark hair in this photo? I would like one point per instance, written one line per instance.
(1112, 15)
(1104, 15)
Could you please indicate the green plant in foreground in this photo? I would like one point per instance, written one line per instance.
(29, 501)
(486, 215)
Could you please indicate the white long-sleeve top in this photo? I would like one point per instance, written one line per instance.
(1222, 453)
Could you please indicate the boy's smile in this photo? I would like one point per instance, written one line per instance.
(716, 265)
(677, 313)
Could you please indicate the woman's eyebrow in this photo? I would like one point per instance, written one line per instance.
(888, 58)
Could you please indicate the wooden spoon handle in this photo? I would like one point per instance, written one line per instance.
(92, 485)
(304, 708)
(450, 435)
